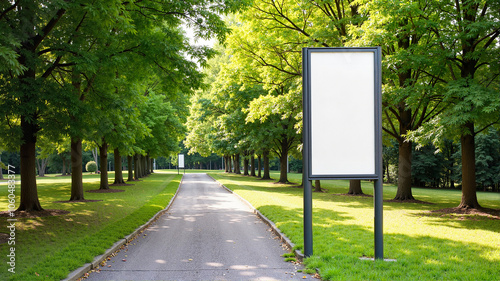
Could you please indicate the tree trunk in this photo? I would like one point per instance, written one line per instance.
(151, 164)
(76, 170)
(237, 169)
(136, 167)
(94, 154)
(41, 165)
(227, 168)
(76, 147)
(144, 166)
(355, 187)
(245, 165)
(469, 197)
(404, 172)
(317, 185)
(266, 165)
(29, 192)
(130, 168)
(283, 161)
(103, 153)
(63, 173)
(141, 166)
(388, 174)
(233, 164)
(1, 169)
(259, 166)
(29, 128)
(252, 165)
(118, 167)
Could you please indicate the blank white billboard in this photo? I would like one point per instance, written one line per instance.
(342, 112)
(181, 160)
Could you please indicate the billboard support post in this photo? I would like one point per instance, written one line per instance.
(180, 163)
(342, 125)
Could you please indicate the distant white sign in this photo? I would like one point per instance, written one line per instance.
(181, 160)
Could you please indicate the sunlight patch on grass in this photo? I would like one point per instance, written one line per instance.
(88, 230)
(427, 246)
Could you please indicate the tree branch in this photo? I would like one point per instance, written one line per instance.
(48, 28)
(12, 7)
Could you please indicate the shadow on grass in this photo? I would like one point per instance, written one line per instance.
(462, 221)
(244, 183)
(332, 194)
(40, 238)
(338, 247)
(340, 239)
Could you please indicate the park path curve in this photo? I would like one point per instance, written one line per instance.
(208, 234)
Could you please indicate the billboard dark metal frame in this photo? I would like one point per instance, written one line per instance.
(307, 146)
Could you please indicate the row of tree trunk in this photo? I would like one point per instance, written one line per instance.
(232, 164)
(142, 167)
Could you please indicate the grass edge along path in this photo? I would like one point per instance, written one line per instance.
(58, 265)
(427, 246)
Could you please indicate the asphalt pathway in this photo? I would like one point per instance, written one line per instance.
(208, 234)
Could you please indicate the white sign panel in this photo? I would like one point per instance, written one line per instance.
(342, 100)
(181, 160)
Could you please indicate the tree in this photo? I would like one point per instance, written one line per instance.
(280, 111)
(467, 33)
(427, 166)
(217, 121)
(411, 95)
(469, 50)
(488, 159)
(267, 42)
(26, 28)
(47, 38)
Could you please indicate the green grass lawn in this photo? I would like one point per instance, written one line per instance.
(427, 246)
(49, 248)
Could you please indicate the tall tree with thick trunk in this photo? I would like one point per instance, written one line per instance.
(76, 143)
(76, 170)
(412, 95)
(29, 119)
(469, 50)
